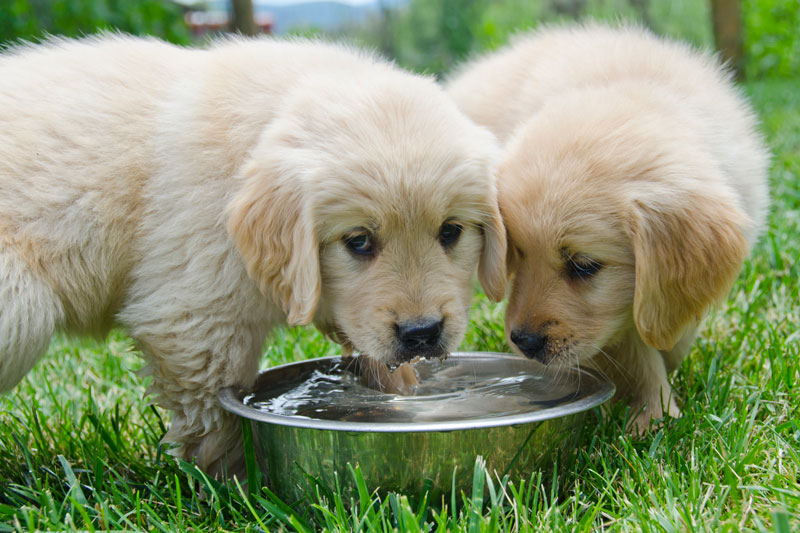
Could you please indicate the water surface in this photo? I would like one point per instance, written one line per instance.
(452, 390)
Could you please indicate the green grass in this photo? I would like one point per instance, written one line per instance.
(79, 444)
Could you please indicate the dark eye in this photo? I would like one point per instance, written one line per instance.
(360, 244)
(449, 234)
(581, 267)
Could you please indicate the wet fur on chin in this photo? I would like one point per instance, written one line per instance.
(199, 198)
(630, 152)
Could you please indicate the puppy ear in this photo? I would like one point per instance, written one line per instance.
(492, 266)
(271, 224)
(689, 249)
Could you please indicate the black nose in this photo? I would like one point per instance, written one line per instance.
(531, 344)
(420, 334)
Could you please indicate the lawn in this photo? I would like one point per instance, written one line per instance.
(79, 444)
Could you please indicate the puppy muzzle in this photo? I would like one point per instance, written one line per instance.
(532, 345)
(421, 337)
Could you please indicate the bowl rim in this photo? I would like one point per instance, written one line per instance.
(231, 399)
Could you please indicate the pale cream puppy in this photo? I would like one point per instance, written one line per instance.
(199, 198)
(632, 185)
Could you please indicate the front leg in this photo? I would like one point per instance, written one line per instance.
(640, 374)
(189, 369)
(653, 397)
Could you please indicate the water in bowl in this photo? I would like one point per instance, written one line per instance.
(451, 390)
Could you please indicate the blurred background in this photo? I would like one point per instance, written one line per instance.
(759, 38)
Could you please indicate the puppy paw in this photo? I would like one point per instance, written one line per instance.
(647, 417)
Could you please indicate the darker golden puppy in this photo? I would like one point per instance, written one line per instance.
(632, 186)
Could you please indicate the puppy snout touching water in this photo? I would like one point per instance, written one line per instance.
(421, 337)
(200, 197)
(632, 185)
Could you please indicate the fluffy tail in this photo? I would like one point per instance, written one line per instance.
(30, 311)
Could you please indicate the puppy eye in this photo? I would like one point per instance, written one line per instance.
(449, 234)
(360, 244)
(582, 268)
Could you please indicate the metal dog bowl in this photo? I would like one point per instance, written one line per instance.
(501, 407)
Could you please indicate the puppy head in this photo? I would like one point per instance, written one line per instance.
(368, 209)
(616, 225)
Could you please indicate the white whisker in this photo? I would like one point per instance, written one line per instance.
(614, 363)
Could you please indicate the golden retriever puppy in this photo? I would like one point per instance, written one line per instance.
(198, 198)
(632, 185)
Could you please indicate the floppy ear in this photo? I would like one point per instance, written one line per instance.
(271, 224)
(492, 266)
(689, 249)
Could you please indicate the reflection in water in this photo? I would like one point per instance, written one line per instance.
(451, 390)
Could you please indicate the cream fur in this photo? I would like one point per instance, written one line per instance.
(632, 151)
(199, 198)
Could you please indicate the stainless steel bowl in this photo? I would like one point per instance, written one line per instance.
(411, 456)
